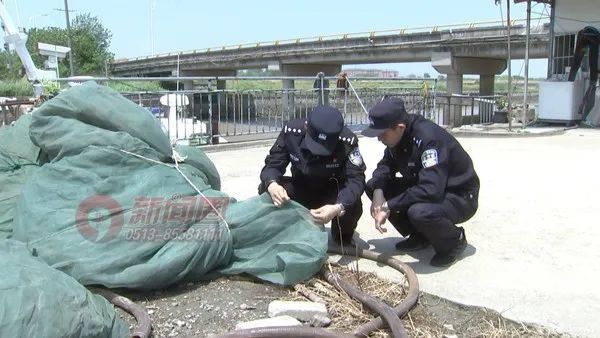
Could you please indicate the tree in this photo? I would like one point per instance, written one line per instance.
(51, 35)
(89, 42)
(10, 66)
(426, 76)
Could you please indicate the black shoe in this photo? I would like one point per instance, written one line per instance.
(413, 243)
(448, 258)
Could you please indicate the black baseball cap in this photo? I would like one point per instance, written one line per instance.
(385, 115)
(324, 126)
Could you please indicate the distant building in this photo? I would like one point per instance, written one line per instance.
(372, 73)
(569, 16)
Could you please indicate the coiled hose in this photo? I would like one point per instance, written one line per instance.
(377, 306)
(412, 296)
(392, 317)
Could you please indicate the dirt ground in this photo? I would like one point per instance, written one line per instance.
(210, 308)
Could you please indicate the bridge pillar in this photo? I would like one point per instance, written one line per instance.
(454, 85)
(455, 67)
(486, 84)
(304, 70)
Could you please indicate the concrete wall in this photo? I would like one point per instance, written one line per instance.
(569, 15)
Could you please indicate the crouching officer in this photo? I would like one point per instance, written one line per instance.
(424, 185)
(328, 173)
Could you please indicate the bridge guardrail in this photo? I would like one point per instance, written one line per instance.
(369, 34)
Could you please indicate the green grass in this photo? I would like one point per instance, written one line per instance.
(18, 88)
(134, 86)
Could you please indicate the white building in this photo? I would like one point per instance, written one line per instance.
(567, 18)
(561, 100)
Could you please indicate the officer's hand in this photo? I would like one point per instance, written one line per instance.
(325, 213)
(380, 219)
(378, 200)
(278, 194)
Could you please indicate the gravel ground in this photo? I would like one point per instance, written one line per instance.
(205, 309)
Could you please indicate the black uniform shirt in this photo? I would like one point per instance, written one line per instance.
(345, 164)
(431, 161)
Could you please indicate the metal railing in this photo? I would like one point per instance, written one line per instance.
(213, 116)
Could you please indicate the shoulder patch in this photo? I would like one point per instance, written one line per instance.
(348, 137)
(429, 158)
(355, 157)
(294, 126)
(349, 140)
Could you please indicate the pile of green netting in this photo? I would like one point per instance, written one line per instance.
(93, 192)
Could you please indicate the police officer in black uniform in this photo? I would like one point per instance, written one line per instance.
(327, 170)
(424, 185)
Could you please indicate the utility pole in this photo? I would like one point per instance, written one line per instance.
(525, 103)
(509, 94)
(66, 10)
(152, 4)
(69, 37)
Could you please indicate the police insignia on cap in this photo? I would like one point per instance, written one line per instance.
(322, 137)
(355, 157)
(429, 158)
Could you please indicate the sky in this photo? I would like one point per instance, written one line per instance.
(144, 27)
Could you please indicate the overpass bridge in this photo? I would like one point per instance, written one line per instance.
(454, 50)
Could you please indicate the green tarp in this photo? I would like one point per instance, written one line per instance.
(38, 301)
(106, 205)
(18, 159)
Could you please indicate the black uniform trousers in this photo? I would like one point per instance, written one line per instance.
(435, 222)
(313, 197)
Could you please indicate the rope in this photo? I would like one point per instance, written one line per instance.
(357, 97)
(178, 158)
(339, 227)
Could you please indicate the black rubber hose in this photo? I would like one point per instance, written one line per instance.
(413, 286)
(361, 331)
(384, 310)
(285, 332)
(141, 316)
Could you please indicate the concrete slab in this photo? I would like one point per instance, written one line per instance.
(533, 253)
(268, 322)
(301, 310)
